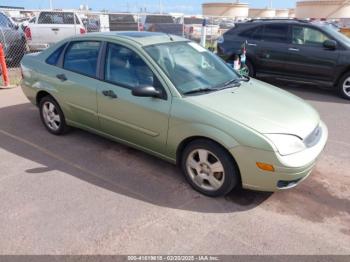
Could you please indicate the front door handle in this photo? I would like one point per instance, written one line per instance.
(251, 44)
(294, 49)
(62, 77)
(109, 93)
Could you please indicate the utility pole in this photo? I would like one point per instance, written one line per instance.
(270, 4)
(51, 7)
(160, 7)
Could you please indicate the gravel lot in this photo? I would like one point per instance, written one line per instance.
(82, 194)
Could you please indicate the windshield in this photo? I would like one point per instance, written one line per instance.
(337, 35)
(191, 67)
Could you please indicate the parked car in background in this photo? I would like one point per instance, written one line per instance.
(292, 51)
(123, 22)
(92, 25)
(172, 98)
(161, 23)
(50, 27)
(193, 28)
(12, 39)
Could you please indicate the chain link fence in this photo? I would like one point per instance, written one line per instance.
(33, 31)
(24, 31)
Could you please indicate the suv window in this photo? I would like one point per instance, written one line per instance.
(56, 18)
(126, 68)
(253, 33)
(302, 35)
(81, 57)
(53, 58)
(275, 33)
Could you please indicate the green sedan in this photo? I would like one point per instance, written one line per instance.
(172, 98)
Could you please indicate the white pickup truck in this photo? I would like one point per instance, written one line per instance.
(193, 29)
(50, 27)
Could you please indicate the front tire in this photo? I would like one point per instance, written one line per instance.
(344, 86)
(52, 116)
(208, 168)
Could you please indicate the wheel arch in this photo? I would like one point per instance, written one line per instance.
(341, 75)
(190, 139)
(41, 94)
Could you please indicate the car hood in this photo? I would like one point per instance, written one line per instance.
(262, 107)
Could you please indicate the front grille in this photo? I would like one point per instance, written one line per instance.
(314, 137)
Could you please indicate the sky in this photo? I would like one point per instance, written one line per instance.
(180, 6)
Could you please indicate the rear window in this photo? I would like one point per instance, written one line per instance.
(119, 18)
(193, 20)
(53, 58)
(253, 33)
(81, 57)
(159, 19)
(56, 18)
(276, 33)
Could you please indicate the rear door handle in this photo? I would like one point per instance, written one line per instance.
(109, 93)
(62, 77)
(55, 29)
(294, 49)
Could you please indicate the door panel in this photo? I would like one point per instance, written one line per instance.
(272, 49)
(308, 58)
(79, 96)
(77, 80)
(142, 121)
(139, 120)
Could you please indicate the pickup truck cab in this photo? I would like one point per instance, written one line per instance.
(52, 26)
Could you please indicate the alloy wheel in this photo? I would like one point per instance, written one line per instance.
(205, 169)
(51, 116)
(346, 86)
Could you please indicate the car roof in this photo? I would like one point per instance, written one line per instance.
(140, 38)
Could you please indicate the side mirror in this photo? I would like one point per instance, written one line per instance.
(146, 91)
(330, 44)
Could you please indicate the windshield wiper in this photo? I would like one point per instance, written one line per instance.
(236, 82)
(200, 90)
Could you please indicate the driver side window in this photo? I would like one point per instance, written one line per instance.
(126, 68)
(303, 35)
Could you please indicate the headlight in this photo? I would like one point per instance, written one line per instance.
(286, 144)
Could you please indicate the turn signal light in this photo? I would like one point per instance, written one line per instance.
(265, 167)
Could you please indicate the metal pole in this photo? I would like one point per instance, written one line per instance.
(51, 7)
(204, 32)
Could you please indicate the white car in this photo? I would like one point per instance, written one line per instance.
(50, 27)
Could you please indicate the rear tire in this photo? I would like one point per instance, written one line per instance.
(52, 116)
(344, 86)
(208, 168)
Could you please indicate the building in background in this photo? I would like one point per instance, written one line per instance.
(323, 9)
(234, 10)
(262, 13)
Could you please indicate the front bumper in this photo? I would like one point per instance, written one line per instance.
(289, 170)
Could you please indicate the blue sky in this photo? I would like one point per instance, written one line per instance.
(183, 6)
